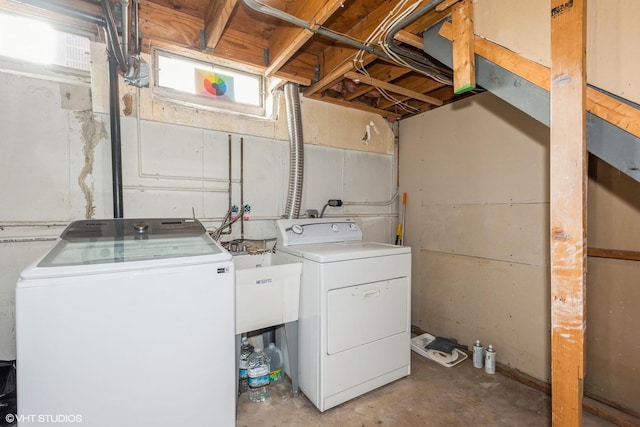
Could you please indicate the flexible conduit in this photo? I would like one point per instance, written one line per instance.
(390, 39)
(296, 150)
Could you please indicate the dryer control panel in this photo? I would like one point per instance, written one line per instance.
(304, 231)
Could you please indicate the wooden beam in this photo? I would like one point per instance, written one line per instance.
(216, 18)
(568, 188)
(536, 73)
(426, 21)
(445, 5)
(614, 254)
(410, 39)
(464, 68)
(613, 111)
(334, 56)
(288, 40)
(329, 79)
(599, 104)
(392, 88)
(391, 73)
(357, 106)
(290, 48)
(177, 30)
(432, 89)
(336, 74)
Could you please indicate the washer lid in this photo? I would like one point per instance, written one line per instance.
(110, 241)
(333, 252)
(131, 228)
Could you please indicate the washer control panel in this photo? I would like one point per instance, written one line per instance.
(303, 231)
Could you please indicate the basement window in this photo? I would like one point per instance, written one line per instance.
(203, 84)
(32, 46)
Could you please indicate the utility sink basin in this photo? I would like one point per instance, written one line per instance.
(267, 291)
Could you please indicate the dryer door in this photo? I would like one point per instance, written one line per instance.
(360, 314)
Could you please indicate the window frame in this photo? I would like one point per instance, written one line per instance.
(203, 102)
(53, 72)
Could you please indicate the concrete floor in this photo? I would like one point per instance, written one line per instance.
(432, 395)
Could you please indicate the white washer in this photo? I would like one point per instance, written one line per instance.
(127, 323)
(354, 320)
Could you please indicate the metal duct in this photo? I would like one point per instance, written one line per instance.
(296, 150)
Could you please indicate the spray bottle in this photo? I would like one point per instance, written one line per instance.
(490, 360)
(477, 354)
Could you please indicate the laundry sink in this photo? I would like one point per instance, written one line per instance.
(267, 291)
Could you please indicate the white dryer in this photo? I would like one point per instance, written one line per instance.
(127, 323)
(355, 298)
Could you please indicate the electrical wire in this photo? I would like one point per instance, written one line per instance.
(377, 36)
(386, 28)
(324, 208)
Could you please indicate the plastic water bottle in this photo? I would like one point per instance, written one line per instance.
(258, 371)
(477, 354)
(276, 363)
(245, 351)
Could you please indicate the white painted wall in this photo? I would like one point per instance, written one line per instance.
(175, 162)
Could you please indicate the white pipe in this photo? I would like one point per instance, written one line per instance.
(27, 240)
(387, 203)
(125, 27)
(167, 188)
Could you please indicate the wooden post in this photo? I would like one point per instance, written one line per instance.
(464, 62)
(568, 188)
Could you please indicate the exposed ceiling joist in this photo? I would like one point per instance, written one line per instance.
(361, 31)
(445, 5)
(315, 45)
(216, 18)
(410, 39)
(362, 107)
(392, 88)
(393, 73)
(330, 79)
(422, 84)
(288, 40)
